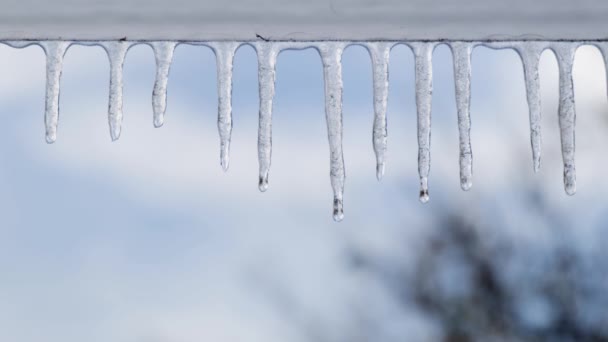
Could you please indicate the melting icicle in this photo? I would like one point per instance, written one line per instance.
(423, 53)
(55, 50)
(163, 53)
(116, 53)
(567, 114)
(331, 53)
(462, 77)
(267, 56)
(224, 53)
(530, 53)
(379, 53)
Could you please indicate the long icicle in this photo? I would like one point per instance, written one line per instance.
(462, 76)
(267, 57)
(331, 54)
(530, 53)
(224, 53)
(379, 53)
(116, 51)
(163, 53)
(567, 114)
(55, 50)
(423, 53)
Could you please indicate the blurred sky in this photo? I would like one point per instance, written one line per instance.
(146, 239)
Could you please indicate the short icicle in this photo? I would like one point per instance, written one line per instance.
(423, 53)
(567, 114)
(163, 53)
(331, 54)
(379, 53)
(55, 50)
(530, 53)
(267, 57)
(462, 76)
(116, 51)
(603, 46)
(224, 53)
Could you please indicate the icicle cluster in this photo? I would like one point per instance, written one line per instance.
(331, 55)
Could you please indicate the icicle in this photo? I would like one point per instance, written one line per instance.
(530, 53)
(603, 46)
(567, 114)
(331, 53)
(163, 53)
(424, 90)
(55, 50)
(462, 77)
(224, 53)
(267, 56)
(116, 53)
(379, 53)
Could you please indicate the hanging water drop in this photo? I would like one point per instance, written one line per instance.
(462, 76)
(331, 54)
(530, 53)
(55, 50)
(567, 114)
(423, 53)
(224, 53)
(163, 53)
(116, 51)
(267, 56)
(603, 46)
(379, 53)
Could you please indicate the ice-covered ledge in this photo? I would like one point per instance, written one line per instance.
(245, 20)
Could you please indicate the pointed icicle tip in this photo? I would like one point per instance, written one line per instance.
(163, 53)
(263, 183)
(379, 171)
(338, 210)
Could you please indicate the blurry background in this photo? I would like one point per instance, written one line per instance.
(147, 240)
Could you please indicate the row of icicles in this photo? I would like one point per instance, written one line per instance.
(331, 54)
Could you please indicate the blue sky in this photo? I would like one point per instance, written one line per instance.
(147, 239)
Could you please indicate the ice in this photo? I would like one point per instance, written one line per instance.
(55, 50)
(530, 53)
(379, 53)
(567, 114)
(116, 53)
(224, 53)
(462, 78)
(331, 54)
(163, 53)
(267, 57)
(423, 53)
